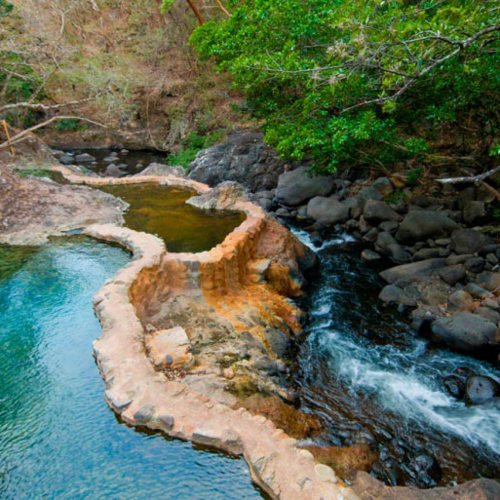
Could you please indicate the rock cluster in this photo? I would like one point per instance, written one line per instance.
(446, 271)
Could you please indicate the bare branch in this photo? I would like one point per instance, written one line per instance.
(474, 178)
(22, 135)
(44, 107)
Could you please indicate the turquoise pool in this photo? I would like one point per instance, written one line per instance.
(58, 438)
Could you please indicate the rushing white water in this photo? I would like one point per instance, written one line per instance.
(390, 380)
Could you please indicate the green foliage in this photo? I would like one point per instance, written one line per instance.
(5, 8)
(166, 5)
(347, 81)
(70, 125)
(192, 144)
(395, 197)
(19, 81)
(414, 175)
(32, 172)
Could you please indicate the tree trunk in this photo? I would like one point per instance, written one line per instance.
(196, 11)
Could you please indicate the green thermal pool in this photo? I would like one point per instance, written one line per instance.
(162, 211)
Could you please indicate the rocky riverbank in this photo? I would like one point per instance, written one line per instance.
(442, 240)
(190, 338)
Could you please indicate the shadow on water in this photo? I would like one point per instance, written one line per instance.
(58, 438)
(373, 380)
(162, 211)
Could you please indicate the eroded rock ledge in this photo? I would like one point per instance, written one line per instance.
(220, 281)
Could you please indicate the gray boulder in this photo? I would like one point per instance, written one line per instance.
(370, 255)
(398, 254)
(368, 193)
(474, 264)
(376, 212)
(298, 186)
(489, 281)
(392, 294)
(384, 241)
(469, 241)
(453, 274)
(480, 389)
(460, 301)
(415, 271)
(161, 169)
(477, 291)
(419, 225)
(489, 314)
(85, 157)
(114, 171)
(474, 211)
(66, 159)
(243, 158)
(428, 253)
(327, 210)
(465, 332)
(384, 186)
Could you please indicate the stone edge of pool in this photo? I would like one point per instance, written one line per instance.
(144, 397)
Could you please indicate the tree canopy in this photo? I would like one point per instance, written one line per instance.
(365, 82)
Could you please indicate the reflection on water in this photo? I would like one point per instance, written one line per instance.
(58, 438)
(162, 211)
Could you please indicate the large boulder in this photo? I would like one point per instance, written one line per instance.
(419, 225)
(469, 241)
(465, 332)
(480, 390)
(327, 210)
(300, 185)
(416, 271)
(243, 158)
(376, 212)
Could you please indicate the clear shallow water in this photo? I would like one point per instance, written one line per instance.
(163, 211)
(132, 162)
(373, 380)
(58, 438)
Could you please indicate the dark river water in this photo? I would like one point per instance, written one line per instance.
(372, 379)
(58, 438)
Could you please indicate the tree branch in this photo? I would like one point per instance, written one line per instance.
(44, 107)
(474, 178)
(21, 135)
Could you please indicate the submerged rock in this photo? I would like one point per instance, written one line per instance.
(85, 157)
